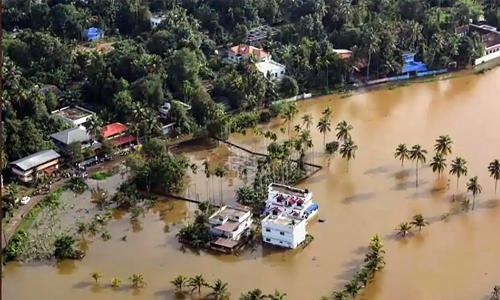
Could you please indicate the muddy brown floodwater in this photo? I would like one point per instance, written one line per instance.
(455, 258)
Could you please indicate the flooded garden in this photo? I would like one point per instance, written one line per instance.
(456, 256)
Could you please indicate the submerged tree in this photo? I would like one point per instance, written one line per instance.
(196, 283)
(219, 290)
(494, 170)
(343, 131)
(403, 229)
(348, 150)
(96, 276)
(458, 168)
(443, 145)
(419, 221)
(324, 127)
(137, 280)
(402, 153)
(179, 282)
(438, 163)
(417, 154)
(475, 188)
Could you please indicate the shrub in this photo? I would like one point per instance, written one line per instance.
(265, 116)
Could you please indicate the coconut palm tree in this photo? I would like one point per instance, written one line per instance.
(277, 295)
(307, 121)
(402, 153)
(179, 282)
(220, 172)
(348, 150)
(438, 163)
(327, 113)
(458, 168)
(137, 280)
(206, 170)
(197, 282)
(343, 129)
(417, 154)
(289, 113)
(115, 282)
(494, 169)
(419, 221)
(219, 290)
(255, 294)
(94, 127)
(495, 294)
(340, 295)
(403, 229)
(443, 145)
(352, 288)
(96, 276)
(475, 188)
(324, 126)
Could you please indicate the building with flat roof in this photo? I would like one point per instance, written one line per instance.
(228, 225)
(283, 230)
(74, 115)
(271, 69)
(291, 201)
(64, 138)
(31, 167)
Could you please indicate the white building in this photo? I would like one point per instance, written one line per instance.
(291, 201)
(156, 20)
(229, 224)
(74, 115)
(263, 61)
(284, 231)
(271, 69)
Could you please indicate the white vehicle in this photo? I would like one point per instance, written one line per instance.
(25, 200)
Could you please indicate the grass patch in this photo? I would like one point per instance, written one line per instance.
(100, 175)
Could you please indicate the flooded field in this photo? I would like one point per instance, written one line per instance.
(456, 257)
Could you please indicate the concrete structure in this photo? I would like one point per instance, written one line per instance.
(263, 61)
(31, 167)
(156, 20)
(228, 225)
(490, 38)
(290, 201)
(271, 69)
(116, 133)
(74, 115)
(258, 34)
(63, 139)
(230, 222)
(284, 231)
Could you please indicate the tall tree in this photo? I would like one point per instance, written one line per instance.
(402, 153)
(458, 168)
(494, 170)
(417, 154)
(443, 145)
(438, 163)
(348, 150)
(475, 188)
(343, 131)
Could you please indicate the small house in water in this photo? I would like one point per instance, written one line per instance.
(29, 168)
(228, 225)
(93, 34)
(283, 230)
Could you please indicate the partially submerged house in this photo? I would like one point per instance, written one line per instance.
(29, 168)
(288, 210)
(283, 230)
(228, 225)
(74, 115)
(263, 60)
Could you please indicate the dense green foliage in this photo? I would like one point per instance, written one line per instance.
(145, 66)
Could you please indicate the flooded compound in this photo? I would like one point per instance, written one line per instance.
(457, 256)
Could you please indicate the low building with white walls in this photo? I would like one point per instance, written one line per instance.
(228, 225)
(283, 230)
(271, 69)
(291, 201)
(263, 61)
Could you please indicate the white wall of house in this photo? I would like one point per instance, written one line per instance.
(283, 235)
(271, 69)
(488, 57)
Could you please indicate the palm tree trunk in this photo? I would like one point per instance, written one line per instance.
(473, 202)
(402, 162)
(496, 181)
(416, 172)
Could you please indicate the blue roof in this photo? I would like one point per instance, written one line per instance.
(93, 33)
(410, 65)
(311, 208)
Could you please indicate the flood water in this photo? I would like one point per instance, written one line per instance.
(455, 257)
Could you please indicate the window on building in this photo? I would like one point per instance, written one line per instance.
(282, 233)
(268, 240)
(268, 230)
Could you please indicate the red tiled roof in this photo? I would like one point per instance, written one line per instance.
(246, 50)
(112, 129)
(122, 140)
